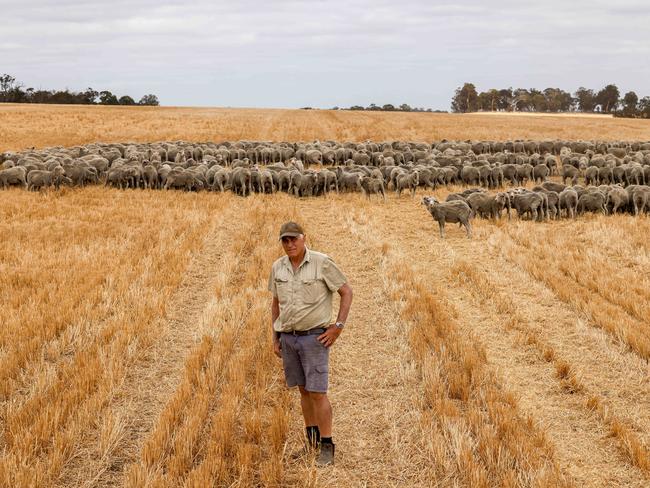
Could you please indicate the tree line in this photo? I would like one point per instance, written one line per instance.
(14, 92)
(388, 107)
(607, 100)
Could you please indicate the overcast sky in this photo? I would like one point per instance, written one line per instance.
(277, 53)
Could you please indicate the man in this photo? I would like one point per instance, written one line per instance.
(302, 283)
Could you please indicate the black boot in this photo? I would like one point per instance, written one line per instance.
(326, 454)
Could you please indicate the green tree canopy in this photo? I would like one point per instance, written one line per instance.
(150, 99)
(126, 100)
(550, 99)
(505, 99)
(465, 99)
(644, 107)
(89, 96)
(12, 91)
(607, 98)
(107, 98)
(585, 99)
(630, 104)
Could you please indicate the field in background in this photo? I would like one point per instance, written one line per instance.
(550, 114)
(23, 125)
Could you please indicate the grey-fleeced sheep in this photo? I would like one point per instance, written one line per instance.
(452, 212)
(408, 182)
(592, 201)
(13, 176)
(371, 185)
(489, 205)
(569, 202)
(38, 179)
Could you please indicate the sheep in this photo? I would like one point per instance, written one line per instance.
(38, 179)
(592, 200)
(455, 211)
(371, 185)
(408, 181)
(13, 176)
(569, 202)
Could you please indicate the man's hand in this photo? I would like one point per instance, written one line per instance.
(277, 349)
(330, 335)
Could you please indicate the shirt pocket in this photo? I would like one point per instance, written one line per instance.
(283, 289)
(312, 291)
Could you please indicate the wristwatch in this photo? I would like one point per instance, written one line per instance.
(339, 325)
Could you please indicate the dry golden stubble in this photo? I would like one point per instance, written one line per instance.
(217, 440)
(374, 391)
(482, 409)
(441, 396)
(546, 263)
(27, 125)
(480, 284)
(43, 423)
(606, 255)
(472, 430)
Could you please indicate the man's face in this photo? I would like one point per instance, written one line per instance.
(294, 246)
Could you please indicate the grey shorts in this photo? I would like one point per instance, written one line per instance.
(305, 361)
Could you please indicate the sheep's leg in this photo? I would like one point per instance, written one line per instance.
(441, 223)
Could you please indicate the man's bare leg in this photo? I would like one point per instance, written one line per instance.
(323, 410)
(307, 406)
(323, 413)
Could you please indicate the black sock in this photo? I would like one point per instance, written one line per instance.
(326, 440)
(313, 434)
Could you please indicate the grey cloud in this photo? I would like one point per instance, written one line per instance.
(289, 53)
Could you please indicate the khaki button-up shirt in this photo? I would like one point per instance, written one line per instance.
(305, 297)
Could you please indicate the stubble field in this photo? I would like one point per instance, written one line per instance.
(135, 344)
(26, 125)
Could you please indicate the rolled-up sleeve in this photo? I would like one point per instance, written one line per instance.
(332, 275)
(271, 286)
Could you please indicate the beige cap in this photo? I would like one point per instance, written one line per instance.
(290, 229)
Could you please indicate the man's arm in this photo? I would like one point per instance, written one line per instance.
(275, 313)
(328, 337)
(345, 292)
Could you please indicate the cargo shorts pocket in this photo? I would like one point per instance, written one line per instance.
(318, 380)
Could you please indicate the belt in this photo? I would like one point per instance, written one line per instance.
(318, 330)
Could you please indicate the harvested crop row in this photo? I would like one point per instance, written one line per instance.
(132, 262)
(618, 251)
(473, 433)
(478, 436)
(480, 284)
(204, 372)
(573, 429)
(213, 429)
(571, 287)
